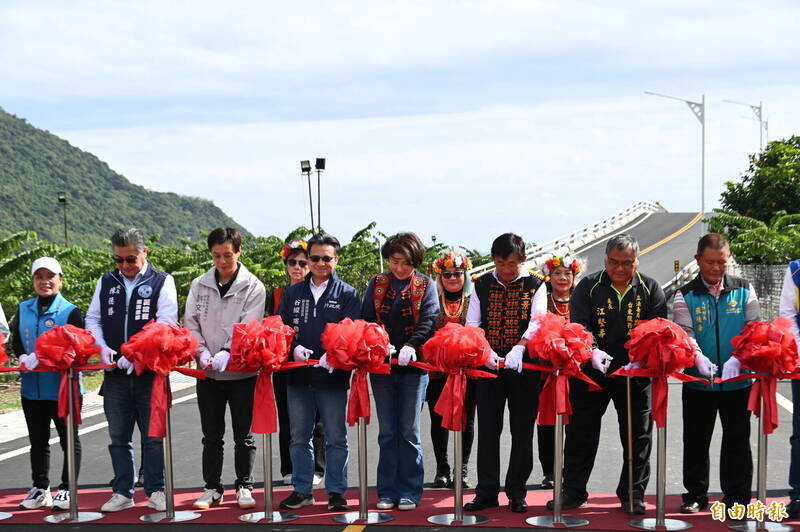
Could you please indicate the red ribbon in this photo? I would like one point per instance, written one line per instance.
(660, 392)
(358, 403)
(160, 400)
(554, 397)
(764, 389)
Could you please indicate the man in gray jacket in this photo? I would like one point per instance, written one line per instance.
(226, 294)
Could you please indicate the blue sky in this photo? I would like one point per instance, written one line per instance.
(460, 119)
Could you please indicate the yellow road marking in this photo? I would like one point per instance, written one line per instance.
(673, 235)
(354, 528)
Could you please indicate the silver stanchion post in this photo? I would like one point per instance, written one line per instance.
(73, 516)
(268, 515)
(171, 515)
(458, 518)
(362, 515)
(557, 520)
(761, 486)
(660, 523)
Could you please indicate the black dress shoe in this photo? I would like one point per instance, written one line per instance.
(793, 508)
(692, 507)
(441, 481)
(479, 503)
(568, 503)
(547, 483)
(638, 507)
(517, 504)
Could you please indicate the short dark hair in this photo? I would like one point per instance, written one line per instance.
(713, 241)
(296, 251)
(324, 239)
(408, 245)
(220, 235)
(128, 236)
(507, 244)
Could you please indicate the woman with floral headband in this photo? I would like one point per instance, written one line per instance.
(453, 282)
(295, 257)
(562, 275)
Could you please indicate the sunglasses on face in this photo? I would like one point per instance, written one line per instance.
(453, 275)
(295, 262)
(326, 258)
(129, 260)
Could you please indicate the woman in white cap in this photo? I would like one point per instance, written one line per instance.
(40, 389)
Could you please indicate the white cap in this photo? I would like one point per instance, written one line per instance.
(46, 262)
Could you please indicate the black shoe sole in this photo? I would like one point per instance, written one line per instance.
(469, 507)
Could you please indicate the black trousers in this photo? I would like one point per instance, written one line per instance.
(212, 398)
(440, 436)
(279, 383)
(700, 409)
(545, 438)
(583, 433)
(521, 390)
(38, 415)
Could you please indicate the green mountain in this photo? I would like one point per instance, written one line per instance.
(36, 165)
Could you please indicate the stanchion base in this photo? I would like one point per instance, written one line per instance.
(373, 518)
(83, 517)
(669, 524)
(450, 520)
(753, 525)
(548, 521)
(277, 517)
(5, 515)
(157, 517)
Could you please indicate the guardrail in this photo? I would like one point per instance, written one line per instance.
(566, 244)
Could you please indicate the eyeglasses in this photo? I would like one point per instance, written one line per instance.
(617, 264)
(295, 262)
(325, 258)
(130, 260)
(451, 275)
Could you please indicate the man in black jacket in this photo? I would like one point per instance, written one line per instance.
(610, 303)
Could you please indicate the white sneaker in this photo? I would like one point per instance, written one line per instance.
(116, 503)
(61, 500)
(157, 501)
(287, 480)
(244, 498)
(36, 498)
(208, 499)
(317, 479)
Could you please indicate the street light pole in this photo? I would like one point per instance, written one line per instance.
(762, 124)
(699, 111)
(62, 199)
(305, 169)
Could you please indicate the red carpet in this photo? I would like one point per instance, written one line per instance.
(602, 511)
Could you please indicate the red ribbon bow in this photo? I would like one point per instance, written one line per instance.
(261, 345)
(360, 346)
(161, 348)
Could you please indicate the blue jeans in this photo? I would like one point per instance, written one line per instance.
(126, 402)
(398, 399)
(303, 403)
(794, 440)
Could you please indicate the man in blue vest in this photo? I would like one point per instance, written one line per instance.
(713, 308)
(124, 301)
(789, 309)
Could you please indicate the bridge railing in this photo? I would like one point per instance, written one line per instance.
(537, 254)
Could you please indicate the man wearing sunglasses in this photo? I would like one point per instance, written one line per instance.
(124, 301)
(308, 307)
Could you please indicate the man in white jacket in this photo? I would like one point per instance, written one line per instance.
(226, 294)
(789, 308)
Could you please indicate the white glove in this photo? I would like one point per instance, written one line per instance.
(204, 359)
(493, 360)
(600, 360)
(514, 358)
(704, 365)
(125, 364)
(732, 368)
(323, 363)
(407, 354)
(220, 361)
(392, 350)
(107, 355)
(30, 360)
(632, 365)
(301, 354)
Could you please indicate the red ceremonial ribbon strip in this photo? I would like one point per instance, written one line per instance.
(764, 388)
(660, 394)
(161, 399)
(265, 419)
(554, 397)
(451, 401)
